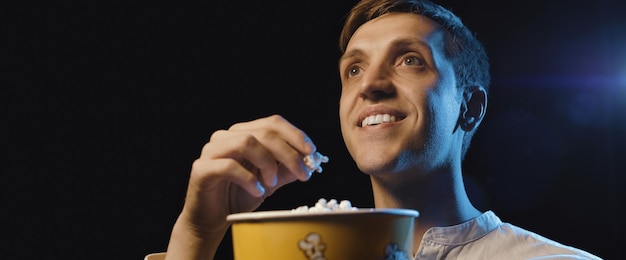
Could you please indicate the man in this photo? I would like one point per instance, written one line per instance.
(414, 90)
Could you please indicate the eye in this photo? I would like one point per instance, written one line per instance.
(412, 61)
(353, 71)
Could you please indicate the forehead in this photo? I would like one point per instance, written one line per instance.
(392, 27)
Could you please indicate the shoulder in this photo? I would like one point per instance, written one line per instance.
(532, 245)
(155, 256)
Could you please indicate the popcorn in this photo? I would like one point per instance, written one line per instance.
(323, 205)
(314, 161)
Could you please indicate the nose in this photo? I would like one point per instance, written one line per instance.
(376, 83)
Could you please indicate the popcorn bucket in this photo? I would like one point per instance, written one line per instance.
(376, 234)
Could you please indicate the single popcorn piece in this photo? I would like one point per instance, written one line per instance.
(304, 208)
(314, 161)
(345, 204)
(323, 205)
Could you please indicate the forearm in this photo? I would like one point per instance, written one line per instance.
(186, 243)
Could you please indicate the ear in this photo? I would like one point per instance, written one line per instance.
(473, 108)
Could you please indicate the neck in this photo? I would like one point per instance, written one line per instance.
(438, 196)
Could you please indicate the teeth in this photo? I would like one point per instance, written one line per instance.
(378, 119)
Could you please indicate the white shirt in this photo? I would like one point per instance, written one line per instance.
(487, 237)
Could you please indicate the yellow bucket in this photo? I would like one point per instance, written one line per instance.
(376, 234)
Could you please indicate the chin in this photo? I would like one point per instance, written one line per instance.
(375, 165)
(387, 162)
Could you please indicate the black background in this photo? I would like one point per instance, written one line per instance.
(106, 104)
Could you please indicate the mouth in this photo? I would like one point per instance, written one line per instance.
(378, 119)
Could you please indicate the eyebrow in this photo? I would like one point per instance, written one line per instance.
(351, 54)
(410, 41)
(395, 44)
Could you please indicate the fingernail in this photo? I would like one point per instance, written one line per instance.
(260, 188)
(308, 174)
(309, 142)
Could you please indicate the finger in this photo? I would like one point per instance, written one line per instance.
(292, 148)
(287, 143)
(245, 149)
(230, 170)
(278, 125)
(289, 159)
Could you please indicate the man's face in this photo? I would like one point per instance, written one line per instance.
(399, 102)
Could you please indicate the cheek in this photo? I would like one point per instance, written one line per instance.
(345, 103)
(444, 111)
(342, 109)
(344, 116)
(343, 113)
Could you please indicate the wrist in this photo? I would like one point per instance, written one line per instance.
(190, 242)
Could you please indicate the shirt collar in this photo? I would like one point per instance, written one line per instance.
(465, 232)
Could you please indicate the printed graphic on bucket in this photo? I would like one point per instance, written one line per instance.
(313, 248)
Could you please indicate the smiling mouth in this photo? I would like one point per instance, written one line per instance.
(378, 119)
